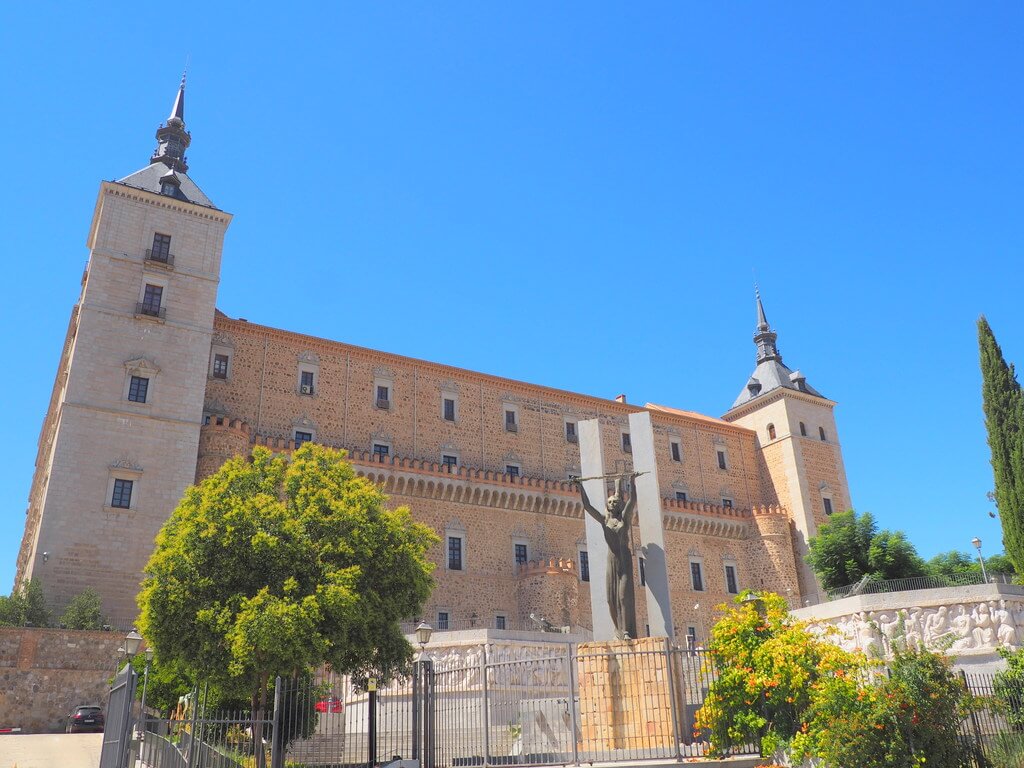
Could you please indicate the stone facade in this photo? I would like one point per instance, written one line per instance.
(482, 459)
(46, 673)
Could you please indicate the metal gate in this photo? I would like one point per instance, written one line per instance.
(117, 732)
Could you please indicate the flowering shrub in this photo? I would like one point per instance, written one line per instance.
(768, 664)
(907, 719)
(800, 698)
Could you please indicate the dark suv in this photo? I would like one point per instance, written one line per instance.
(86, 718)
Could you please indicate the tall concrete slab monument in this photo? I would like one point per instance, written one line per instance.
(592, 467)
(652, 536)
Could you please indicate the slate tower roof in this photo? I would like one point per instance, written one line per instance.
(167, 172)
(770, 373)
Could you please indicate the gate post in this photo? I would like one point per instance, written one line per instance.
(675, 698)
(486, 703)
(428, 714)
(417, 704)
(276, 753)
(570, 660)
(371, 706)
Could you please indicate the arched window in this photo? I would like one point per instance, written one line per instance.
(771, 431)
(821, 434)
(803, 429)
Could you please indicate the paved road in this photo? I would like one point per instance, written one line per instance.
(54, 750)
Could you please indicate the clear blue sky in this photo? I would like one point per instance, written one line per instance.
(528, 188)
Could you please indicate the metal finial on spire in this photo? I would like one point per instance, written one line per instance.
(172, 138)
(178, 110)
(762, 320)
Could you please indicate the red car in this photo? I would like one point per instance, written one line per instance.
(332, 705)
(86, 718)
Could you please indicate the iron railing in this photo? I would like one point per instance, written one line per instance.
(150, 310)
(160, 258)
(880, 586)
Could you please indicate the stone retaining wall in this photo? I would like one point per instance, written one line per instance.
(45, 673)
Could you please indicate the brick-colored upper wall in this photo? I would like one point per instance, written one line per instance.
(262, 391)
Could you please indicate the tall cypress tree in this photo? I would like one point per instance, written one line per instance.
(1004, 420)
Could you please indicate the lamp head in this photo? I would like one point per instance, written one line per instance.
(977, 543)
(149, 655)
(132, 642)
(423, 633)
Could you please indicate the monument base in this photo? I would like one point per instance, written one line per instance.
(626, 695)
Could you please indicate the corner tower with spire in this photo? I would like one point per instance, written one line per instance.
(120, 440)
(801, 459)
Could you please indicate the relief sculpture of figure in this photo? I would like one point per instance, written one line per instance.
(615, 523)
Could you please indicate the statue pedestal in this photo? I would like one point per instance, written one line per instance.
(625, 695)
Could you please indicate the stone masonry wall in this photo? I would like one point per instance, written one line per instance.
(45, 673)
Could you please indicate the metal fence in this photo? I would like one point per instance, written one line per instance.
(994, 726)
(868, 586)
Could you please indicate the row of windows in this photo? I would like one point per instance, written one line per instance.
(803, 432)
(520, 556)
(445, 621)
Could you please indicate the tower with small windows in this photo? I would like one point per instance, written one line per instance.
(801, 459)
(119, 443)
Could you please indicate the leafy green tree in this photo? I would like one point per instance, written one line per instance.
(954, 563)
(26, 607)
(85, 611)
(849, 547)
(274, 565)
(1004, 419)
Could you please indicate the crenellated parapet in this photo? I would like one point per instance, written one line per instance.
(548, 589)
(220, 440)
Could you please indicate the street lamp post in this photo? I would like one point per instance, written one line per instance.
(977, 545)
(145, 684)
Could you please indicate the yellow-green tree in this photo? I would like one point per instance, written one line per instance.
(275, 564)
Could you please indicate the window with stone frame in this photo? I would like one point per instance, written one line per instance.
(307, 381)
(449, 462)
(696, 576)
(726, 502)
(521, 553)
(512, 470)
(302, 437)
(641, 564)
(731, 585)
(511, 420)
(571, 435)
(161, 250)
(499, 621)
(827, 502)
(220, 366)
(152, 298)
(443, 618)
(455, 553)
(448, 409)
(681, 496)
(121, 498)
(722, 463)
(381, 451)
(584, 565)
(138, 389)
(675, 450)
(627, 442)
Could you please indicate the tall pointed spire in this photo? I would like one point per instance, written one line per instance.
(172, 138)
(764, 337)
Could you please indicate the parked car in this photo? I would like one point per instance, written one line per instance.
(88, 717)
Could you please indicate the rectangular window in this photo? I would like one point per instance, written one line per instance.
(499, 622)
(642, 567)
(454, 553)
(696, 577)
(122, 497)
(821, 433)
(510, 421)
(306, 383)
(727, 503)
(152, 298)
(220, 366)
(584, 565)
(828, 505)
(520, 554)
(161, 248)
(449, 409)
(449, 462)
(512, 470)
(302, 437)
(383, 396)
(570, 432)
(680, 495)
(442, 619)
(730, 580)
(691, 637)
(627, 444)
(677, 454)
(381, 451)
(138, 389)
(721, 460)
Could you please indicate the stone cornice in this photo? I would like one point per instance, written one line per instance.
(118, 189)
(535, 394)
(776, 394)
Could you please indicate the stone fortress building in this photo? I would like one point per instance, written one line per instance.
(156, 388)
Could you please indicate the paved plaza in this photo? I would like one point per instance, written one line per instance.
(51, 750)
